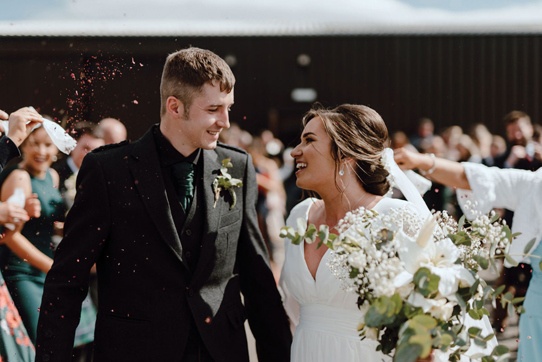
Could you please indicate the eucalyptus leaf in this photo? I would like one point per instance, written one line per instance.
(507, 231)
(474, 315)
(408, 353)
(474, 331)
(426, 321)
(510, 260)
(446, 339)
(494, 218)
(529, 246)
(500, 289)
(425, 341)
(508, 296)
(500, 350)
(517, 300)
(483, 262)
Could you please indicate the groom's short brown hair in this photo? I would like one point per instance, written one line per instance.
(187, 70)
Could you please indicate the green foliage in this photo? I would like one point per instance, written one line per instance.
(309, 234)
(426, 283)
(461, 238)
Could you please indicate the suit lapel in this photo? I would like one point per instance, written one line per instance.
(211, 169)
(145, 167)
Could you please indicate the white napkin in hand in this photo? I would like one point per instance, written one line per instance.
(18, 198)
(63, 141)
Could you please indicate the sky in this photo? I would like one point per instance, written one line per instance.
(160, 17)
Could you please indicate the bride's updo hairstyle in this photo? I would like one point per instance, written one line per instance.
(357, 132)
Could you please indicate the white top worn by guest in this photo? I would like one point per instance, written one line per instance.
(511, 189)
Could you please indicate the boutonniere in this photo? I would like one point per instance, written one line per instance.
(224, 181)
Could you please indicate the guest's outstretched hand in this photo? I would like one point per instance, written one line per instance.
(12, 214)
(407, 160)
(33, 206)
(21, 123)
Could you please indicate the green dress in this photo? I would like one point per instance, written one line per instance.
(25, 282)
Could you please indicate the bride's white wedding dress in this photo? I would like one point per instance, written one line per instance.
(325, 315)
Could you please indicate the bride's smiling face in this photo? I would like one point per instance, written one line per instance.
(314, 163)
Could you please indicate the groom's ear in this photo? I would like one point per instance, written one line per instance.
(174, 107)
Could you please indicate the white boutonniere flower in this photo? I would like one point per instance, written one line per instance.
(224, 181)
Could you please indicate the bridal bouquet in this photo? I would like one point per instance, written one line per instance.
(417, 280)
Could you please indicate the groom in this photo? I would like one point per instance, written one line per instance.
(172, 255)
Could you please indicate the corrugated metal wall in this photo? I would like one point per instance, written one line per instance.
(453, 79)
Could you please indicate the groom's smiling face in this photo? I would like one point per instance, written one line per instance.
(208, 115)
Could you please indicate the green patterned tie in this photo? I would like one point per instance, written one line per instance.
(183, 176)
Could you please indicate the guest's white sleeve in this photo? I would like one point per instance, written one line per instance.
(516, 190)
(494, 187)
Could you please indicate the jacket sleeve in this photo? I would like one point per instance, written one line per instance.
(8, 150)
(266, 315)
(66, 285)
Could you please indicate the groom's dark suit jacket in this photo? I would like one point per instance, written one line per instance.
(121, 220)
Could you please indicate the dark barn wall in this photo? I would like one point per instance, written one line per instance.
(453, 79)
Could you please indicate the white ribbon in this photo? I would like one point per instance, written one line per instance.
(404, 184)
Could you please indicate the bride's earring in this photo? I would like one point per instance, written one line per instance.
(341, 172)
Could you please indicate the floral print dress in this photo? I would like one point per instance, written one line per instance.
(14, 342)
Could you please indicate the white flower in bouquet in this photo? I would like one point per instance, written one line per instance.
(439, 257)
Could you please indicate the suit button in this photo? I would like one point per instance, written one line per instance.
(48, 333)
(188, 232)
(188, 254)
(46, 358)
(208, 320)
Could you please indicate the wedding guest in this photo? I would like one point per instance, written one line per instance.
(424, 133)
(399, 139)
(111, 130)
(173, 253)
(34, 175)
(520, 154)
(482, 139)
(516, 190)
(87, 140)
(21, 124)
(14, 342)
(520, 151)
(497, 148)
(271, 204)
(468, 150)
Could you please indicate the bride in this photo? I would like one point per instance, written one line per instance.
(339, 158)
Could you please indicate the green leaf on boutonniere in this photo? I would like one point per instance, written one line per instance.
(226, 182)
